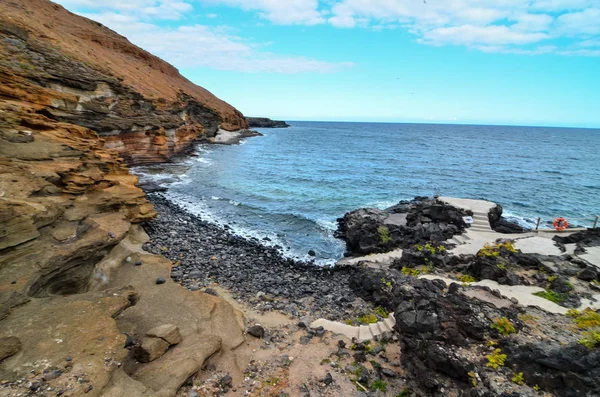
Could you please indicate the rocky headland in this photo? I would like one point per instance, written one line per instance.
(263, 122)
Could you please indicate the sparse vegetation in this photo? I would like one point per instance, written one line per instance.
(381, 312)
(367, 319)
(591, 339)
(518, 378)
(408, 271)
(384, 235)
(504, 326)
(496, 359)
(467, 279)
(378, 384)
(528, 318)
(473, 378)
(496, 249)
(585, 319)
(551, 296)
(404, 393)
(386, 284)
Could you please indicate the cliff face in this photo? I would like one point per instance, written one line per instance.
(75, 70)
(76, 98)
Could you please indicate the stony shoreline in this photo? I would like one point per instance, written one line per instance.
(260, 276)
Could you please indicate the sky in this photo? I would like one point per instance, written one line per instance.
(512, 62)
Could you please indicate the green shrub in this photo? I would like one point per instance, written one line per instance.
(384, 235)
(367, 319)
(410, 271)
(467, 279)
(591, 339)
(404, 393)
(495, 250)
(378, 384)
(504, 326)
(496, 359)
(585, 319)
(518, 378)
(381, 312)
(551, 296)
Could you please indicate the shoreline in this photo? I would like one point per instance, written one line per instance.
(205, 253)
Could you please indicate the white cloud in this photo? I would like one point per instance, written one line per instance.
(477, 35)
(487, 25)
(281, 12)
(518, 26)
(145, 9)
(214, 47)
(583, 22)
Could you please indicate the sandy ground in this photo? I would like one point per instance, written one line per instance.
(280, 363)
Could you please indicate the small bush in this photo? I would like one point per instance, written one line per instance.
(407, 271)
(585, 319)
(591, 339)
(551, 296)
(467, 279)
(386, 284)
(495, 250)
(504, 326)
(384, 235)
(404, 393)
(381, 312)
(518, 378)
(496, 359)
(367, 319)
(378, 384)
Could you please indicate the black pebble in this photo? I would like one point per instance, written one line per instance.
(160, 280)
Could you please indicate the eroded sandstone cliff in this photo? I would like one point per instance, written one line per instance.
(75, 70)
(77, 103)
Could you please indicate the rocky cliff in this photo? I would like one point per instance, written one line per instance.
(78, 295)
(74, 70)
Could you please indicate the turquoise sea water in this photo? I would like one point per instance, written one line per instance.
(291, 184)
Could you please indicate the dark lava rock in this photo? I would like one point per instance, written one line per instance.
(571, 370)
(257, 331)
(304, 340)
(211, 291)
(160, 280)
(263, 122)
(226, 381)
(588, 274)
(561, 285)
(328, 379)
(312, 253)
(370, 230)
(501, 224)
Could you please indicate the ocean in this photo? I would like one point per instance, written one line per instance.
(288, 187)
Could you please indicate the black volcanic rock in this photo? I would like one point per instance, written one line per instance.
(422, 220)
(501, 224)
(263, 122)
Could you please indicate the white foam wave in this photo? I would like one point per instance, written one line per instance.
(199, 208)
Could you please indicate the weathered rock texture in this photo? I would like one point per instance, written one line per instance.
(75, 70)
(74, 99)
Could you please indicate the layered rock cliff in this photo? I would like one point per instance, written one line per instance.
(77, 102)
(75, 70)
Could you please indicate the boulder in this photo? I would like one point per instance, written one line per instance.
(257, 331)
(150, 349)
(9, 346)
(168, 332)
(588, 274)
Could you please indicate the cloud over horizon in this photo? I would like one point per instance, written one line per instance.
(526, 27)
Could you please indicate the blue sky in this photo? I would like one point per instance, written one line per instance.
(525, 62)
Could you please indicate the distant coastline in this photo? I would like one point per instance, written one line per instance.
(263, 122)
